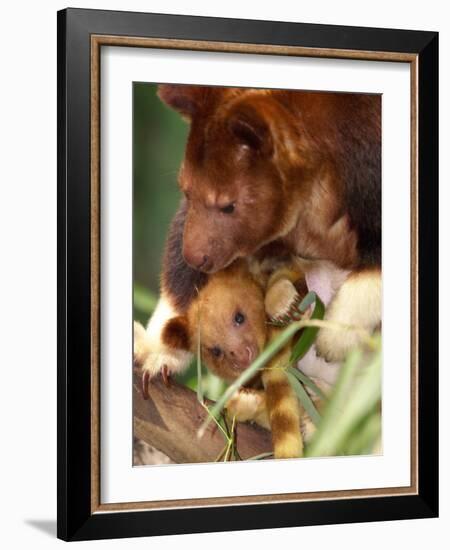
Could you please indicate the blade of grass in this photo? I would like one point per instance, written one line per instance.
(199, 366)
(260, 457)
(304, 398)
(220, 455)
(274, 346)
(308, 334)
(248, 374)
(232, 439)
(319, 443)
(365, 436)
(363, 398)
(236, 452)
(348, 406)
(308, 300)
(214, 419)
(307, 382)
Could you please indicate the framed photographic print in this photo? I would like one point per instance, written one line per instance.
(247, 252)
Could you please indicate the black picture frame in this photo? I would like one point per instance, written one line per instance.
(76, 521)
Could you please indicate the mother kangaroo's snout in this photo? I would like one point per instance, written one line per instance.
(205, 246)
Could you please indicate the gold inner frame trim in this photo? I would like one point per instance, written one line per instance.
(97, 41)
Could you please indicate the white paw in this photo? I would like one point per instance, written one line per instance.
(140, 344)
(334, 345)
(168, 360)
(155, 357)
(356, 304)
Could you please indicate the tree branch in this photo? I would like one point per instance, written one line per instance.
(170, 418)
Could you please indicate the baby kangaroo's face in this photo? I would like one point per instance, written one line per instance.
(231, 324)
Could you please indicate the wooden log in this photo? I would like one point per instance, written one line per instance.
(170, 418)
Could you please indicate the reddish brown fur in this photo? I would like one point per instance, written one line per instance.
(179, 281)
(175, 334)
(300, 166)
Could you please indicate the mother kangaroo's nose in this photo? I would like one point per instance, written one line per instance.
(204, 261)
(198, 260)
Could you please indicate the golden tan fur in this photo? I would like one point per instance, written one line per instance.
(210, 321)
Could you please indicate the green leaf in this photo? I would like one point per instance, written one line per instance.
(357, 393)
(261, 456)
(199, 368)
(309, 299)
(307, 382)
(304, 398)
(365, 435)
(308, 334)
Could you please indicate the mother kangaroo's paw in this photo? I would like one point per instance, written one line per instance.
(356, 304)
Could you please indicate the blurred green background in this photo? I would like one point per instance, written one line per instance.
(159, 136)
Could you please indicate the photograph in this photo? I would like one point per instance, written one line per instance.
(247, 270)
(257, 277)
(224, 221)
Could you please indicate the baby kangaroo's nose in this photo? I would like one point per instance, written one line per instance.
(243, 356)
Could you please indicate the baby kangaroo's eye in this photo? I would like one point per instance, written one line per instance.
(216, 351)
(228, 209)
(239, 318)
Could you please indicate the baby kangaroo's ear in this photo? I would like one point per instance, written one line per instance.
(175, 333)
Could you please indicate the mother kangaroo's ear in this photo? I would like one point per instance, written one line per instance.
(187, 100)
(175, 334)
(249, 123)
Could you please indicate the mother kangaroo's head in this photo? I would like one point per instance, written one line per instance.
(242, 148)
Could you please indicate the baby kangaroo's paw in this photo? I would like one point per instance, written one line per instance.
(281, 300)
(156, 348)
(357, 304)
(154, 358)
(248, 404)
(140, 344)
(164, 362)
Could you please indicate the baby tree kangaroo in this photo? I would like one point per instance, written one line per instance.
(228, 318)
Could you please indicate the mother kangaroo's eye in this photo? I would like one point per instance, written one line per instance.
(228, 209)
(216, 351)
(239, 318)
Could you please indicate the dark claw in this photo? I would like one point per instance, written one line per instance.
(165, 376)
(145, 381)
